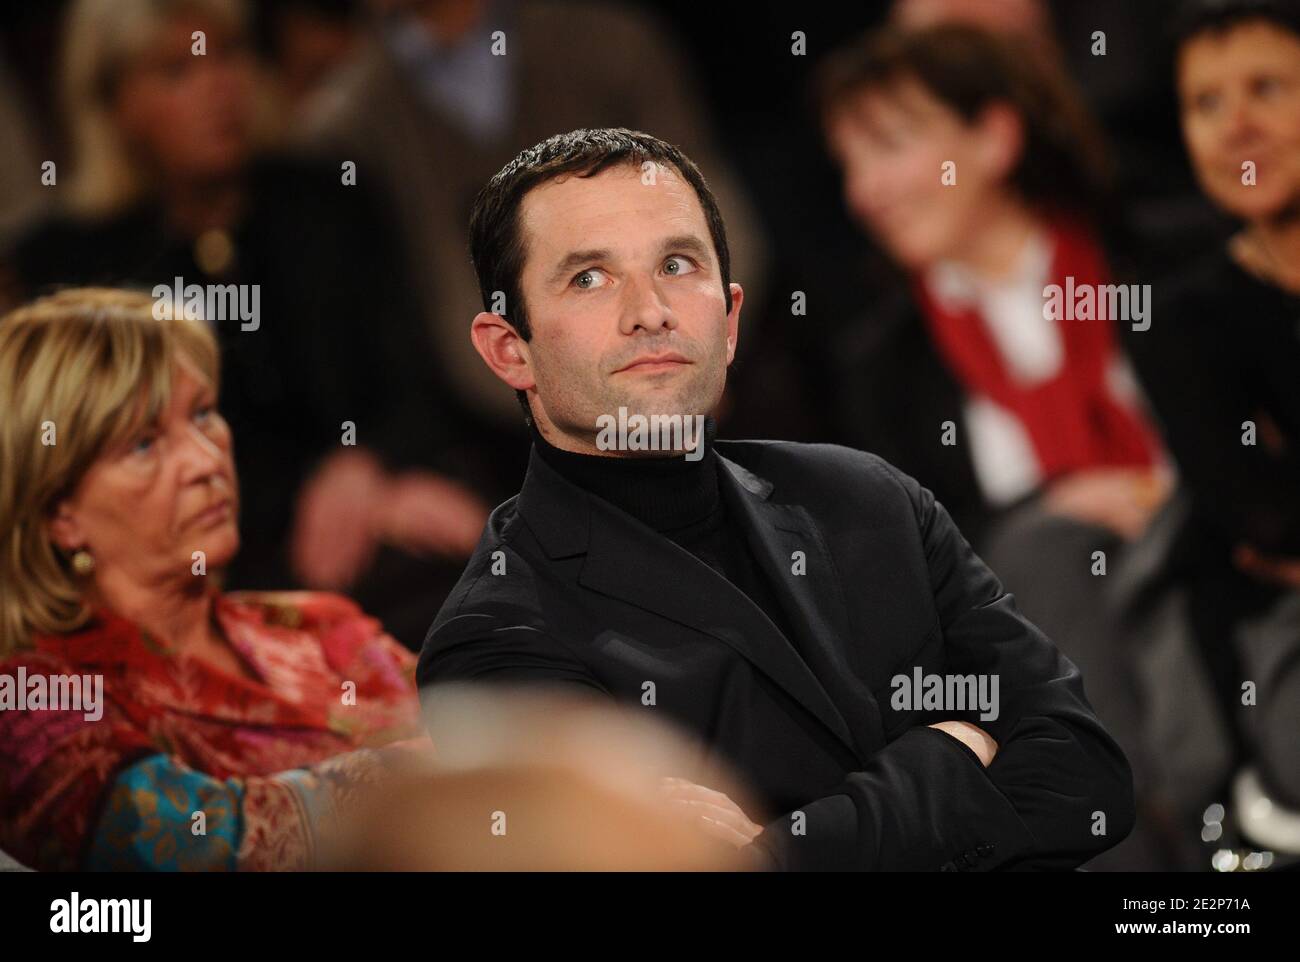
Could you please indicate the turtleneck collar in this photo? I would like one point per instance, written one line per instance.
(664, 493)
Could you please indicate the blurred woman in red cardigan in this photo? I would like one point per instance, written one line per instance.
(977, 172)
(229, 729)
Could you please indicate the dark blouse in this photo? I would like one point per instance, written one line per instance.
(1223, 349)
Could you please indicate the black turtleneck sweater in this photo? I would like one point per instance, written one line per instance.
(682, 500)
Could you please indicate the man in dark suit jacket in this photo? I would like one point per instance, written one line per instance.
(810, 613)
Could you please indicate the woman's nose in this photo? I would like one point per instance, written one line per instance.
(202, 456)
(1239, 127)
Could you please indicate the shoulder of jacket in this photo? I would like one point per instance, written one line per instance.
(835, 459)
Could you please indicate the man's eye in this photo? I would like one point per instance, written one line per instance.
(1204, 103)
(586, 280)
(677, 264)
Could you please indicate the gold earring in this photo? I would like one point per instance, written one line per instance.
(83, 562)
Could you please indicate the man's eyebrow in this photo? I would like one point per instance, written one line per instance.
(687, 244)
(575, 259)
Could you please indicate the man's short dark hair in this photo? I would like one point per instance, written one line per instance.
(1198, 17)
(496, 240)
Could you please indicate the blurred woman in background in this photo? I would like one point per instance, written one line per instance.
(346, 439)
(1222, 366)
(976, 171)
(977, 174)
(232, 727)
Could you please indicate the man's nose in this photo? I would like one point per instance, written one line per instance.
(644, 306)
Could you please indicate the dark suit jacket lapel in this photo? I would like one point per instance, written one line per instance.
(814, 601)
(631, 562)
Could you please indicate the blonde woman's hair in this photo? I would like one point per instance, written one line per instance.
(101, 40)
(81, 371)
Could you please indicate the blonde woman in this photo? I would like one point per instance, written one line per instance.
(140, 701)
(328, 381)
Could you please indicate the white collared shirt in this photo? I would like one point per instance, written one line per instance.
(1031, 348)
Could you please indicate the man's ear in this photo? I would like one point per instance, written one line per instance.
(63, 529)
(733, 321)
(503, 350)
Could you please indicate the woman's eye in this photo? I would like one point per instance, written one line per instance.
(204, 413)
(143, 444)
(1206, 103)
(586, 280)
(678, 265)
(885, 138)
(1267, 86)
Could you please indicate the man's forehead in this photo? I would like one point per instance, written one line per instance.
(590, 210)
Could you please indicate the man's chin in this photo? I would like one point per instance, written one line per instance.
(666, 399)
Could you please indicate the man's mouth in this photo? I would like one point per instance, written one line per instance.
(654, 362)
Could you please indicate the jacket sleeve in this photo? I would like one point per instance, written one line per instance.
(1058, 792)
(508, 648)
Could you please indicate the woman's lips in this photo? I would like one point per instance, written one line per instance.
(213, 514)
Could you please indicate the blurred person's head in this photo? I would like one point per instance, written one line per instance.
(157, 92)
(1238, 77)
(307, 40)
(1029, 22)
(117, 466)
(524, 779)
(449, 19)
(550, 820)
(1027, 18)
(901, 108)
(602, 248)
